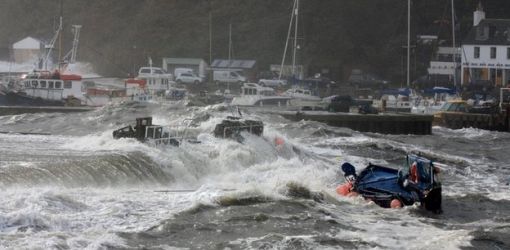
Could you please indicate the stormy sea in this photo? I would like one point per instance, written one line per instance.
(70, 185)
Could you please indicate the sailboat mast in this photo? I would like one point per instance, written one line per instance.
(287, 41)
(60, 34)
(210, 33)
(454, 47)
(296, 10)
(408, 41)
(229, 43)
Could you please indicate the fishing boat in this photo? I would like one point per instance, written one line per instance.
(416, 182)
(147, 132)
(45, 88)
(233, 126)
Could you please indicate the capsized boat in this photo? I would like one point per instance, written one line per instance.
(415, 182)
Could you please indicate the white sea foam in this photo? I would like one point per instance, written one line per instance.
(88, 217)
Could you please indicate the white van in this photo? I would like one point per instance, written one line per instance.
(226, 76)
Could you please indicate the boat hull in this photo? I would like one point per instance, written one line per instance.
(387, 186)
(19, 99)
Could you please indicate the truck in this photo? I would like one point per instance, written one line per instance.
(226, 76)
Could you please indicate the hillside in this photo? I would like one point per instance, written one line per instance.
(119, 35)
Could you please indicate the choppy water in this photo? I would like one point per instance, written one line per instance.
(79, 188)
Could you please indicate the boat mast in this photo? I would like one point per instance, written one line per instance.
(60, 34)
(408, 41)
(76, 40)
(287, 41)
(229, 43)
(295, 39)
(454, 47)
(210, 33)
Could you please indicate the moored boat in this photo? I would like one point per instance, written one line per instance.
(254, 95)
(45, 88)
(303, 98)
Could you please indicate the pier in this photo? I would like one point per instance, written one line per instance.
(16, 110)
(394, 123)
(497, 122)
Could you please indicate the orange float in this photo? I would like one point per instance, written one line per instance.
(395, 203)
(344, 189)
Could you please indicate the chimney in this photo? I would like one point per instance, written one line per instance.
(478, 15)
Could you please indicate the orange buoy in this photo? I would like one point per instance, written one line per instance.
(344, 189)
(395, 203)
(278, 141)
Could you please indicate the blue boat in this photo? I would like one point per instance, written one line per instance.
(415, 182)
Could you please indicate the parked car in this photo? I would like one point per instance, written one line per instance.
(152, 71)
(272, 82)
(270, 79)
(179, 71)
(343, 103)
(188, 78)
(226, 76)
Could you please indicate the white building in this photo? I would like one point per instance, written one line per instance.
(486, 51)
(443, 63)
(27, 50)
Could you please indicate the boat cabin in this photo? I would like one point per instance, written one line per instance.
(156, 79)
(145, 131)
(57, 87)
(255, 89)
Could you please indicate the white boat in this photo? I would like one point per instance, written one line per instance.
(302, 98)
(254, 95)
(156, 79)
(433, 104)
(54, 89)
(399, 100)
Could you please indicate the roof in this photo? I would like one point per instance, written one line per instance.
(234, 64)
(189, 61)
(489, 32)
(27, 43)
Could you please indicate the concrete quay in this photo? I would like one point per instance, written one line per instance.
(384, 123)
(16, 110)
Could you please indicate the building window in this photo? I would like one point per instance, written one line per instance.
(508, 53)
(477, 52)
(68, 84)
(493, 52)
